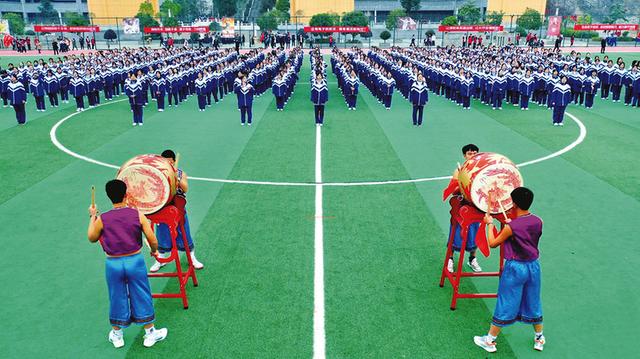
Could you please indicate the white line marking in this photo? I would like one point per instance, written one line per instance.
(56, 142)
(318, 262)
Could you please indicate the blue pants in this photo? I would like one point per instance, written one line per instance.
(129, 291)
(588, 100)
(160, 101)
(202, 101)
(518, 294)
(558, 113)
(524, 101)
(319, 112)
(137, 113)
(351, 101)
(164, 237)
(245, 111)
(417, 115)
(471, 238)
(21, 114)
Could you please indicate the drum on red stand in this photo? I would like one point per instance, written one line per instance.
(151, 182)
(489, 172)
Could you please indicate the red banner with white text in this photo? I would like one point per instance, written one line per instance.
(470, 28)
(339, 29)
(606, 27)
(61, 28)
(166, 29)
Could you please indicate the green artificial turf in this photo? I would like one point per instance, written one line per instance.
(383, 245)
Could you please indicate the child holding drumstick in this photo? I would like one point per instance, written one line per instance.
(519, 287)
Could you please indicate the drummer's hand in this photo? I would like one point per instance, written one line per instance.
(488, 219)
(155, 254)
(93, 210)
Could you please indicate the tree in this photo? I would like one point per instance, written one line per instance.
(16, 23)
(145, 16)
(392, 19)
(354, 18)
(531, 19)
(47, 13)
(410, 5)
(495, 18)
(449, 21)
(226, 7)
(385, 35)
(284, 7)
(169, 9)
(110, 35)
(74, 19)
(146, 8)
(267, 5)
(268, 21)
(469, 14)
(565, 7)
(617, 12)
(170, 21)
(324, 19)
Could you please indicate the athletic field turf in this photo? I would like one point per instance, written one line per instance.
(383, 244)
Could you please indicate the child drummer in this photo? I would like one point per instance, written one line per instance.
(519, 287)
(120, 234)
(468, 151)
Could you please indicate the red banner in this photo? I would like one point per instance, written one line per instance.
(61, 28)
(554, 26)
(596, 27)
(470, 28)
(164, 29)
(340, 29)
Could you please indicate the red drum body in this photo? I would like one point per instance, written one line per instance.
(151, 182)
(487, 173)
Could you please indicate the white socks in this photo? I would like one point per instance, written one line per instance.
(118, 332)
(149, 330)
(539, 335)
(491, 338)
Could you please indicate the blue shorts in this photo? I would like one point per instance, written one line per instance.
(471, 240)
(164, 237)
(129, 291)
(518, 294)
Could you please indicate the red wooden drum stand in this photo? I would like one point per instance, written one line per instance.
(465, 215)
(171, 217)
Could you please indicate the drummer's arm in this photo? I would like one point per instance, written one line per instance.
(504, 234)
(184, 185)
(148, 233)
(95, 227)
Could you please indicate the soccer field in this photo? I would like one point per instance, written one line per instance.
(383, 244)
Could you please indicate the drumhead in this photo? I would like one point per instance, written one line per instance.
(148, 189)
(499, 179)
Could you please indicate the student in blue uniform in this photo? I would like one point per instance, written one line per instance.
(387, 85)
(627, 82)
(560, 98)
(279, 89)
(467, 89)
(4, 83)
(201, 91)
(133, 89)
(635, 85)
(17, 95)
(590, 88)
(173, 81)
(78, 89)
(525, 87)
(351, 89)
(419, 95)
(245, 100)
(498, 86)
(51, 87)
(36, 87)
(616, 81)
(158, 88)
(319, 96)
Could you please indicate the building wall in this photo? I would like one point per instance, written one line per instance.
(308, 8)
(103, 9)
(516, 7)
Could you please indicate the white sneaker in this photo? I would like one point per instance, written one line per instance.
(196, 263)
(474, 265)
(135, 124)
(450, 265)
(156, 266)
(115, 339)
(484, 343)
(538, 343)
(155, 336)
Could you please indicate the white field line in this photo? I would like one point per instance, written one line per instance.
(318, 262)
(60, 146)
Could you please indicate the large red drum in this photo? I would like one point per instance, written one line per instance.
(489, 172)
(151, 182)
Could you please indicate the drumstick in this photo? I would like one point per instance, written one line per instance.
(93, 196)
(503, 211)
(177, 160)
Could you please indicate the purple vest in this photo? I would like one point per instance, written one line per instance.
(523, 244)
(121, 232)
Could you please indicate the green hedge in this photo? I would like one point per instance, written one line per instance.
(579, 34)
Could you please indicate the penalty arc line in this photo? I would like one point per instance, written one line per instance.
(61, 147)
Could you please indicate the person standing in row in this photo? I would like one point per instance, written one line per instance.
(560, 98)
(78, 88)
(245, 100)
(319, 96)
(134, 91)
(419, 95)
(278, 88)
(352, 85)
(159, 87)
(17, 95)
(201, 91)
(51, 87)
(590, 88)
(36, 87)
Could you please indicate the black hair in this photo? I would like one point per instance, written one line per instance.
(522, 197)
(116, 190)
(169, 154)
(469, 147)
